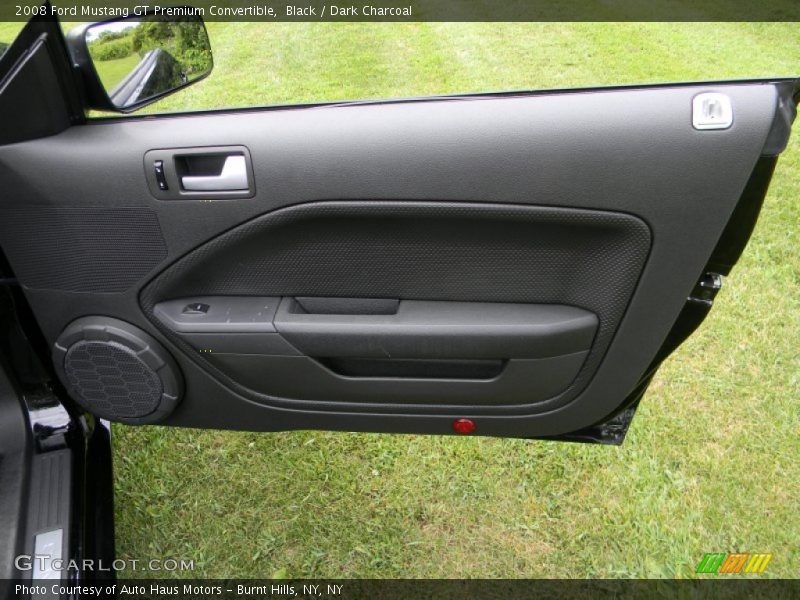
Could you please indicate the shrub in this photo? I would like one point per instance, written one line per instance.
(111, 49)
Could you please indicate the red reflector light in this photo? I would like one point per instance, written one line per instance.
(464, 426)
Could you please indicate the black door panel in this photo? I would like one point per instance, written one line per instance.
(602, 201)
(446, 252)
(438, 353)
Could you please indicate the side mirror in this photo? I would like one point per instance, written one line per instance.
(131, 62)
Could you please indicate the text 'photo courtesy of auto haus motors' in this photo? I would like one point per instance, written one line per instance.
(133, 589)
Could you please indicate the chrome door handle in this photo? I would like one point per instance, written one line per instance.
(233, 177)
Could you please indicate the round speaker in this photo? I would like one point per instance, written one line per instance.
(117, 371)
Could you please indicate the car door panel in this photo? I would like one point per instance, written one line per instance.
(608, 202)
(454, 253)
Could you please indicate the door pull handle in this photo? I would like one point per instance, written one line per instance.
(232, 177)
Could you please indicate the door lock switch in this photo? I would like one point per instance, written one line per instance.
(195, 308)
(158, 168)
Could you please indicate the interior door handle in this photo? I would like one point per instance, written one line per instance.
(232, 177)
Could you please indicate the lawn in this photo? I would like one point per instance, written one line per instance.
(9, 31)
(711, 463)
(111, 72)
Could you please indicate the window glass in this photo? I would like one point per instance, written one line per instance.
(258, 64)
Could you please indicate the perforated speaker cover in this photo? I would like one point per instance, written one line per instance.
(126, 243)
(117, 371)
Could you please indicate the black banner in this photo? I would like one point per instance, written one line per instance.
(402, 589)
(414, 10)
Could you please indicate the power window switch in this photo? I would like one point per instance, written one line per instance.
(195, 308)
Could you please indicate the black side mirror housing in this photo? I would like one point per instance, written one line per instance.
(131, 62)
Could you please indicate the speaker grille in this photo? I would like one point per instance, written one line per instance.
(81, 249)
(112, 379)
(117, 371)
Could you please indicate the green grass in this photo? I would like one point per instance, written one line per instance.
(711, 463)
(9, 32)
(111, 72)
(258, 63)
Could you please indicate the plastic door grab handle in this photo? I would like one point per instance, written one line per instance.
(233, 177)
(441, 330)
